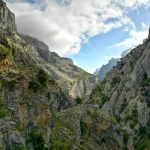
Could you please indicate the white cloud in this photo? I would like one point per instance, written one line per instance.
(126, 29)
(65, 24)
(135, 37)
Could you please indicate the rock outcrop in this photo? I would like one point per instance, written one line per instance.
(7, 18)
(29, 96)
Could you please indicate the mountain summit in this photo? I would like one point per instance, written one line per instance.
(7, 18)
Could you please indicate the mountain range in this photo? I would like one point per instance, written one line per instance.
(48, 103)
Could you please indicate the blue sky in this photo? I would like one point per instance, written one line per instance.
(92, 54)
(88, 31)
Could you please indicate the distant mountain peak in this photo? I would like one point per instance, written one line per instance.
(101, 72)
(96, 72)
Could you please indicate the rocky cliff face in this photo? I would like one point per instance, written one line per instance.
(73, 80)
(28, 95)
(124, 94)
(26, 106)
(7, 18)
(117, 117)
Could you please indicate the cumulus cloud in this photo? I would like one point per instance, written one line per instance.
(135, 37)
(65, 24)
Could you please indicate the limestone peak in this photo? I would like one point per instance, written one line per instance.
(7, 18)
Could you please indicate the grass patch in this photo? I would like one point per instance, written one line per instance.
(61, 145)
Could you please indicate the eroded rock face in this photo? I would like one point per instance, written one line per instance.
(73, 80)
(87, 125)
(24, 109)
(125, 94)
(7, 18)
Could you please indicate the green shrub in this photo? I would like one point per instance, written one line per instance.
(114, 81)
(145, 77)
(133, 124)
(5, 52)
(126, 136)
(3, 112)
(34, 85)
(144, 145)
(142, 130)
(128, 117)
(95, 114)
(48, 95)
(82, 147)
(12, 84)
(104, 99)
(83, 128)
(96, 92)
(2, 101)
(64, 145)
(39, 81)
(42, 77)
(20, 147)
(78, 100)
(37, 140)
